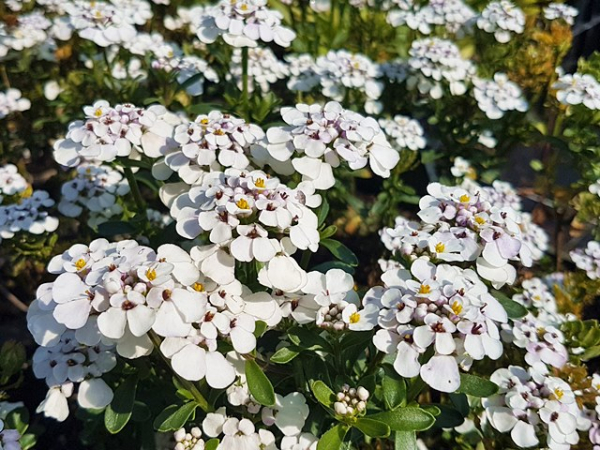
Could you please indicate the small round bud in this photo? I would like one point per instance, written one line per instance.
(352, 392)
(361, 406)
(354, 401)
(340, 409)
(196, 432)
(347, 399)
(362, 393)
(180, 435)
(340, 396)
(333, 311)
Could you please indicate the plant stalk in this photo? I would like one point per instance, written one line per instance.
(135, 190)
(245, 93)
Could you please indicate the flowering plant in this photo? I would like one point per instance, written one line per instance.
(282, 225)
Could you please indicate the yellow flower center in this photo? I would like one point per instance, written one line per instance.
(480, 220)
(98, 112)
(151, 274)
(219, 132)
(242, 203)
(440, 247)
(559, 393)
(198, 287)
(244, 7)
(465, 198)
(80, 264)
(457, 307)
(425, 289)
(260, 183)
(204, 121)
(354, 317)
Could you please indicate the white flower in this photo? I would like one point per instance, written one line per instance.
(11, 181)
(55, 404)
(588, 259)
(497, 97)
(405, 132)
(94, 394)
(11, 101)
(502, 18)
(283, 273)
(264, 69)
(242, 23)
(560, 11)
(189, 441)
(578, 89)
(304, 441)
(290, 414)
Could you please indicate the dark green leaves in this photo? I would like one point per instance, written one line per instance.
(323, 394)
(332, 440)
(340, 251)
(513, 309)
(476, 386)
(259, 385)
(12, 358)
(372, 428)
(119, 411)
(406, 419)
(405, 440)
(174, 417)
(394, 390)
(308, 339)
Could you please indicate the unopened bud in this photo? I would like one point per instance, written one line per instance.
(340, 396)
(339, 408)
(362, 393)
(361, 406)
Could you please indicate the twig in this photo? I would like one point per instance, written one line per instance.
(13, 299)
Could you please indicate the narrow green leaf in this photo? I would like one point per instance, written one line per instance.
(405, 440)
(284, 355)
(333, 439)
(18, 419)
(118, 413)
(323, 212)
(174, 417)
(323, 393)
(394, 391)
(340, 251)
(259, 385)
(260, 328)
(308, 339)
(591, 353)
(406, 419)
(476, 386)
(27, 441)
(328, 232)
(372, 428)
(513, 309)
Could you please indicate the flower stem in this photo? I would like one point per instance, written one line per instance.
(305, 259)
(198, 397)
(135, 190)
(245, 98)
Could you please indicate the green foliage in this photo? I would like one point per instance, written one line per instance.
(259, 385)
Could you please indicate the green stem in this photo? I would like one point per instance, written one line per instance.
(135, 190)
(305, 259)
(198, 397)
(245, 96)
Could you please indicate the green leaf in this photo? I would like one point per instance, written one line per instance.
(140, 412)
(12, 358)
(212, 444)
(325, 267)
(591, 353)
(173, 417)
(333, 439)
(259, 385)
(372, 428)
(119, 411)
(340, 251)
(27, 441)
(323, 393)
(449, 417)
(405, 440)
(308, 339)
(461, 403)
(323, 212)
(260, 328)
(18, 419)
(406, 419)
(394, 391)
(476, 386)
(284, 355)
(513, 309)
(328, 232)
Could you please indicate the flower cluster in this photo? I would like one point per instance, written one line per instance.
(326, 136)
(9, 439)
(449, 14)
(530, 404)
(241, 210)
(30, 30)
(561, 11)
(463, 224)
(96, 189)
(11, 101)
(404, 132)
(588, 259)
(210, 142)
(498, 96)
(441, 306)
(243, 23)
(578, 89)
(350, 401)
(107, 23)
(264, 69)
(185, 68)
(503, 19)
(121, 131)
(28, 214)
(189, 441)
(435, 63)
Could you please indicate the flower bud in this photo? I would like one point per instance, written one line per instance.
(362, 393)
(340, 409)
